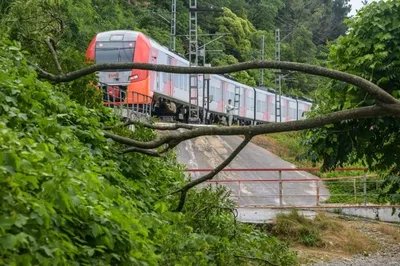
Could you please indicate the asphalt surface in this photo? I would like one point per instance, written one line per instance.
(210, 151)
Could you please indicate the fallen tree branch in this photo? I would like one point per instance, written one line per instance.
(368, 86)
(139, 144)
(53, 52)
(165, 126)
(210, 175)
(174, 138)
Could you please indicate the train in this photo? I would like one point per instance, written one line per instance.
(253, 105)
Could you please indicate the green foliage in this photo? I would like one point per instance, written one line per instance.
(369, 50)
(68, 197)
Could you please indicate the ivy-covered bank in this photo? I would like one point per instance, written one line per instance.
(67, 197)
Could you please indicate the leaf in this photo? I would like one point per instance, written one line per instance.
(160, 206)
(7, 222)
(111, 192)
(21, 220)
(91, 252)
(23, 116)
(11, 100)
(47, 251)
(42, 147)
(13, 48)
(10, 161)
(9, 241)
(96, 230)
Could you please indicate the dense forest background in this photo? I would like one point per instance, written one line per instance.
(307, 28)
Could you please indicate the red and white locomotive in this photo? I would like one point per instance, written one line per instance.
(132, 46)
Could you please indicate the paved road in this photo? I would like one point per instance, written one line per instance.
(210, 151)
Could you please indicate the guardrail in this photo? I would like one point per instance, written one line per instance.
(310, 192)
(133, 105)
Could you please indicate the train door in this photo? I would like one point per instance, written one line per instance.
(155, 75)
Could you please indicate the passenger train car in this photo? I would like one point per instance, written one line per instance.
(132, 46)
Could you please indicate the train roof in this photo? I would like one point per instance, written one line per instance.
(128, 35)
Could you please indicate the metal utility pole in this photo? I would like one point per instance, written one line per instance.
(206, 94)
(278, 92)
(173, 26)
(194, 110)
(262, 59)
(193, 62)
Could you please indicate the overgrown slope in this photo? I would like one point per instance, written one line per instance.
(68, 198)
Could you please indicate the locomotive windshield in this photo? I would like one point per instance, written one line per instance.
(114, 52)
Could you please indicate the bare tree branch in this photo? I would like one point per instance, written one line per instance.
(53, 52)
(139, 144)
(210, 175)
(163, 127)
(368, 86)
(174, 138)
(166, 126)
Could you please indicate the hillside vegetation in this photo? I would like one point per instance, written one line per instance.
(68, 197)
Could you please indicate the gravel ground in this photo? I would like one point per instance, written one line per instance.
(389, 255)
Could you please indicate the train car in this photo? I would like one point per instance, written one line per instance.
(253, 105)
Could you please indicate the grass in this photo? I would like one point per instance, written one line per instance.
(287, 145)
(391, 231)
(301, 230)
(321, 238)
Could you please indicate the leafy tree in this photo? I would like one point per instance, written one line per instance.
(369, 50)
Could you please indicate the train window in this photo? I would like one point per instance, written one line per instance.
(165, 77)
(272, 108)
(284, 111)
(175, 79)
(258, 106)
(212, 92)
(292, 113)
(111, 52)
(217, 94)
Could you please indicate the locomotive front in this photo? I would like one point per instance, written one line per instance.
(128, 86)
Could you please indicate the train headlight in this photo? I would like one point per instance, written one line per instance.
(134, 77)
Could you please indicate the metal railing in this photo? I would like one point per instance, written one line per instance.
(132, 105)
(301, 190)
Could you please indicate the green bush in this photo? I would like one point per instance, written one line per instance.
(68, 197)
